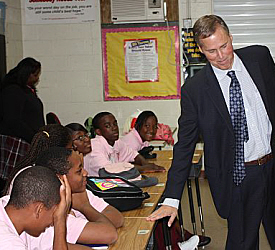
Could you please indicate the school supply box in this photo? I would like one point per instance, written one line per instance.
(117, 191)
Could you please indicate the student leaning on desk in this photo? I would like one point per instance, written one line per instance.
(58, 135)
(106, 148)
(144, 131)
(30, 209)
(101, 218)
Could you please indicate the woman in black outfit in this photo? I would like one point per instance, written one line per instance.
(21, 113)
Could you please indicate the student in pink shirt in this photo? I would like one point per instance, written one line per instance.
(75, 226)
(103, 220)
(30, 209)
(144, 131)
(108, 149)
(48, 136)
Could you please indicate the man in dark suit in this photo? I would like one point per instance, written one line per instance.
(238, 142)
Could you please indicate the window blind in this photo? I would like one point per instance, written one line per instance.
(250, 22)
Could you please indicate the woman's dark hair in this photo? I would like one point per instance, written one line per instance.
(48, 136)
(142, 118)
(21, 73)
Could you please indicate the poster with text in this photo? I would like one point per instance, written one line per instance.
(59, 11)
(141, 63)
(141, 60)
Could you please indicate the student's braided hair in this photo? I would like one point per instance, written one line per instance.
(142, 118)
(56, 159)
(48, 136)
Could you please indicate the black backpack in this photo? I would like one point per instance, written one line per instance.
(117, 191)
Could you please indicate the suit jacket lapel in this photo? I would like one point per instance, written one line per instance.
(214, 92)
(254, 71)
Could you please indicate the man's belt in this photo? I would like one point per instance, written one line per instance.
(260, 161)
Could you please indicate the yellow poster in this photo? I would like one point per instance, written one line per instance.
(141, 63)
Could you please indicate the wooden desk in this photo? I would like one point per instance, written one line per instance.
(159, 188)
(158, 144)
(134, 235)
(167, 155)
(163, 155)
(147, 207)
(164, 159)
(130, 237)
(162, 143)
(197, 156)
(162, 177)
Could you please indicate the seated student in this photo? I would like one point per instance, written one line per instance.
(102, 217)
(48, 136)
(108, 149)
(81, 141)
(56, 135)
(144, 131)
(30, 209)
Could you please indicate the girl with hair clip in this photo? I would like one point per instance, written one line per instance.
(21, 113)
(48, 136)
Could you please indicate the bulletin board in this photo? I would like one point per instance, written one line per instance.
(141, 63)
(191, 48)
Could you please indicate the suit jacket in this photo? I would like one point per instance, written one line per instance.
(204, 111)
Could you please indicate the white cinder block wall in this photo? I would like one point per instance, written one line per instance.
(13, 33)
(71, 83)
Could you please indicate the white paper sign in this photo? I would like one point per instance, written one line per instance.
(59, 11)
(141, 60)
(143, 231)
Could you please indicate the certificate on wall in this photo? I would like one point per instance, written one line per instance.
(141, 60)
(141, 63)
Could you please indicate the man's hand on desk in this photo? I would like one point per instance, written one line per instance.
(150, 168)
(162, 212)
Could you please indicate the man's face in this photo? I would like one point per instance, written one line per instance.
(218, 49)
(108, 128)
(77, 175)
(149, 129)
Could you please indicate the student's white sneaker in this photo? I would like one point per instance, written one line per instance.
(190, 244)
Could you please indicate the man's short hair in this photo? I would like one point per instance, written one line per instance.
(56, 158)
(35, 184)
(206, 26)
(97, 118)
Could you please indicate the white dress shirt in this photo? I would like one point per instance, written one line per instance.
(259, 125)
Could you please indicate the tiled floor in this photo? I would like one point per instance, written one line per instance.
(215, 227)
